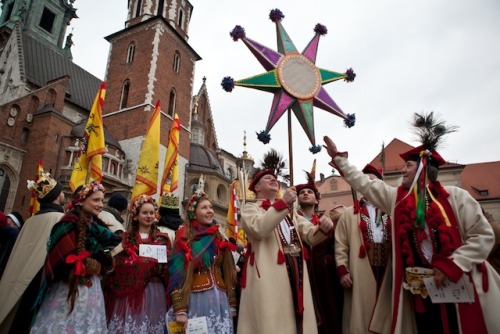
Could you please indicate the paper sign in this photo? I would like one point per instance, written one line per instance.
(449, 292)
(158, 252)
(197, 326)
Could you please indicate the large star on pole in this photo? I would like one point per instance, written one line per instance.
(293, 78)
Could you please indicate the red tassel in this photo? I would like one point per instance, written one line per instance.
(419, 305)
(281, 257)
(484, 275)
(356, 206)
(306, 254)
(362, 252)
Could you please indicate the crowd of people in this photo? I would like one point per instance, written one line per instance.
(366, 268)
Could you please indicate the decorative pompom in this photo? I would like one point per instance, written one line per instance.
(237, 33)
(320, 29)
(351, 119)
(276, 15)
(315, 149)
(264, 136)
(350, 75)
(281, 257)
(227, 84)
(362, 252)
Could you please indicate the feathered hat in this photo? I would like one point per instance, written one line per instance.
(430, 132)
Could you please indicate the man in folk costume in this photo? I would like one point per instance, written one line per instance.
(276, 294)
(441, 229)
(320, 259)
(362, 252)
(22, 276)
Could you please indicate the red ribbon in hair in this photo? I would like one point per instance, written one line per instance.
(212, 229)
(77, 259)
(186, 249)
(132, 251)
(223, 244)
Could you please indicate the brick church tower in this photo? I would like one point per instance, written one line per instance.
(150, 60)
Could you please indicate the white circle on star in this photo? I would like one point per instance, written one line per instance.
(299, 76)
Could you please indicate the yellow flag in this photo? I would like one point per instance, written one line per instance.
(146, 177)
(170, 177)
(34, 204)
(232, 214)
(92, 147)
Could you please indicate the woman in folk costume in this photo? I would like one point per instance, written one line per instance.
(71, 299)
(202, 271)
(436, 229)
(22, 276)
(276, 294)
(135, 292)
(362, 253)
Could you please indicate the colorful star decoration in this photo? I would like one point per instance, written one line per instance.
(293, 78)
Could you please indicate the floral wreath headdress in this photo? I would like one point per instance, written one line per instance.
(142, 199)
(193, 202)
(86, 191)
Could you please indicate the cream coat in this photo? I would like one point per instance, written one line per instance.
(359, 300)
(26, 259)
(477, 236)
(266, 304)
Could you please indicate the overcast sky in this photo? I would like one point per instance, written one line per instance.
(409, 56)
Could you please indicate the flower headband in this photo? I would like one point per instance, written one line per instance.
(193, 202)
(136, 205)
(86, 191)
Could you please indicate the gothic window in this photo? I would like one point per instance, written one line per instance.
(177, 62)
(47, 20)
(4, 188)
(138, 8)
(124, 97)
(25, 135)
(130, 52)
(181, 18)
(51, 97)
(171, 103)
(33, 105)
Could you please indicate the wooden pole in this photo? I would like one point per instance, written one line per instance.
(89, 168)
(290, 145)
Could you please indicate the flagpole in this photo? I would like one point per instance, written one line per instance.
(290, 150)
(89, 170)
